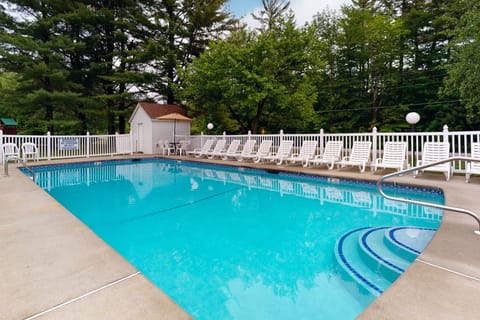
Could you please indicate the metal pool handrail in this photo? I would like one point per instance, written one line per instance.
(428, 204)
(8, 158)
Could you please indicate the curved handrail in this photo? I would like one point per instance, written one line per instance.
(433, 205)
(8, 158)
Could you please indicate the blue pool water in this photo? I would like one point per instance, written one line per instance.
(232, 243)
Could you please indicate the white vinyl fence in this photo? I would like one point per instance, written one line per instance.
(460, 141)
(63, 147)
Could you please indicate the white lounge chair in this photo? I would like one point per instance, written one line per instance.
(217, 150)
(362, 199)
(394, 156)
(205, 148)
(283, 152)
(231, 150)
(247, 150)
(359, 156)
(331, 155)
(473, 167)
(307, 153)
(433, 152)
(263, 150)
(10, 150)
(29, 151)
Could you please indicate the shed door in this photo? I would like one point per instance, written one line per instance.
(140, 142)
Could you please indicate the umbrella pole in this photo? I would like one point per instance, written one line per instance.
(174, 132)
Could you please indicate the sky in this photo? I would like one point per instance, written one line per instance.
(304, 9)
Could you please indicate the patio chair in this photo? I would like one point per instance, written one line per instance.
(307, 152)
(473, 167)
(29, 151)
(394, 156)
(331, 155)
(202, 151)
(283, 152)
(433, 152)
(247, 150)
(263, 150)
(232, 150)
(359, 156)
(217, 150)
(10, 150)
(183, 146)
(166, 147)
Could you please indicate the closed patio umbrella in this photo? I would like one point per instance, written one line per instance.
(174, 117)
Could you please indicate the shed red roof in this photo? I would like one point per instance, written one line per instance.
(155, 110)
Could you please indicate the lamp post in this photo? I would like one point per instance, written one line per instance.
(412, 118)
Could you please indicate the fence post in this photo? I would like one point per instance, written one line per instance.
(445, 133)
(131, 142)
(321, 142)
(49, 146)
(374, 144)
(88, 144)
(224, 135)
(114, 148)
(249, 133)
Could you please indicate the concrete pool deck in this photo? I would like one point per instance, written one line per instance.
(54, 267)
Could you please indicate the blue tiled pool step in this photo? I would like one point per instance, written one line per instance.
(408, 241)
(374, 257)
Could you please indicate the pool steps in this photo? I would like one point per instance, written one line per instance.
(374, 257)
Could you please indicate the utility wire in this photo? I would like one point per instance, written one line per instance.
(425, 104)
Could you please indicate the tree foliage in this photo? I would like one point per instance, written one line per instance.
(464, 70)
(256, 81)
(178, 32)
(74, 66)
(82, 65)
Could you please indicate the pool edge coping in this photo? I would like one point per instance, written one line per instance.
(379, 304)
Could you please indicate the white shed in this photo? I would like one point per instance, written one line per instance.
(147, 130)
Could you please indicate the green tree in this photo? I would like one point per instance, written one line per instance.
(273, 11)
(8, 86)
(255, 81)
(368, 51)
(464, 69)
(30, 44)
(72, 58)
(180, 30)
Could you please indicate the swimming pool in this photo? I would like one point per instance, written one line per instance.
(232, 243)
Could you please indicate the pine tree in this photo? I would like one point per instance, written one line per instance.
(180, 30)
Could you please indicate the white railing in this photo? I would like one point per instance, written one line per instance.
(64, 147)
(460, 142)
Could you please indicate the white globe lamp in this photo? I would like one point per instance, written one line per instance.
(412, 119)
(210, 126)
